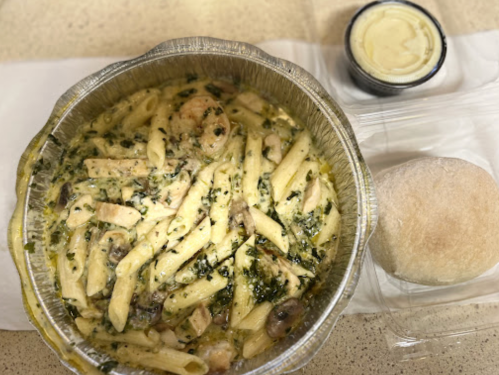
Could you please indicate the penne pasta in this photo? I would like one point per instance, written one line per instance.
(156, 146)
(143, 227)
(293, 196)
(235, 150)
(251, 169)
(256, 343)
(166, 359)
(155, 239)
(209, 258)
(330, 229)
(81, 211)
(270, 229)
(245, 116)
(92, 329)
(243, 297)
(257, 318)
(168, 263)
(142, 112)
(173, 194)
(112, 117)
(221, 195)
(188, 210)
(154, 210)
(71, 264)
(97, 264)
(199, 290)
(289, 165)
(119, 306)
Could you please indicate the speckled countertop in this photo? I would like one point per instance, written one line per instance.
(46, 29)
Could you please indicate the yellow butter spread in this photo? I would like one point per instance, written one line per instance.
(395, 43)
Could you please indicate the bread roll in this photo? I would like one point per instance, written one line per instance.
(438, 221)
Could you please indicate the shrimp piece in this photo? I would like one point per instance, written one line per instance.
(252, 101)
(202, 117)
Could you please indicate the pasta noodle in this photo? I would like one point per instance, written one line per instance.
(214, 254)
(71, 264)
(243, 298)
(107, 120)
(156, 146)
(120, 300)
(270, 229)
(142, 112)
(148, 339)
(221, 195)
(98, 272)
(81, 211)
(166, 359)
(186, 214)
(256, 319)
(251, 168)
(289, 165)
(168, 263)
(256, 343)
(199, 290)
(145, 250)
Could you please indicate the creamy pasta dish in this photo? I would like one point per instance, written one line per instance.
(188, 225)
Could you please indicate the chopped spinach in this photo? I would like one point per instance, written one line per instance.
(30, 247)
(188, 92)
(214, 90)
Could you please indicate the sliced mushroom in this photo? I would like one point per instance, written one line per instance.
(64, 195)
(282, 318)
(118, 251)
(146, 316)
(239, 214)
(222, 318)
(312, 195)
(272, 148)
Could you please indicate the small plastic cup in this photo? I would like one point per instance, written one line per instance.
(369, 58)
